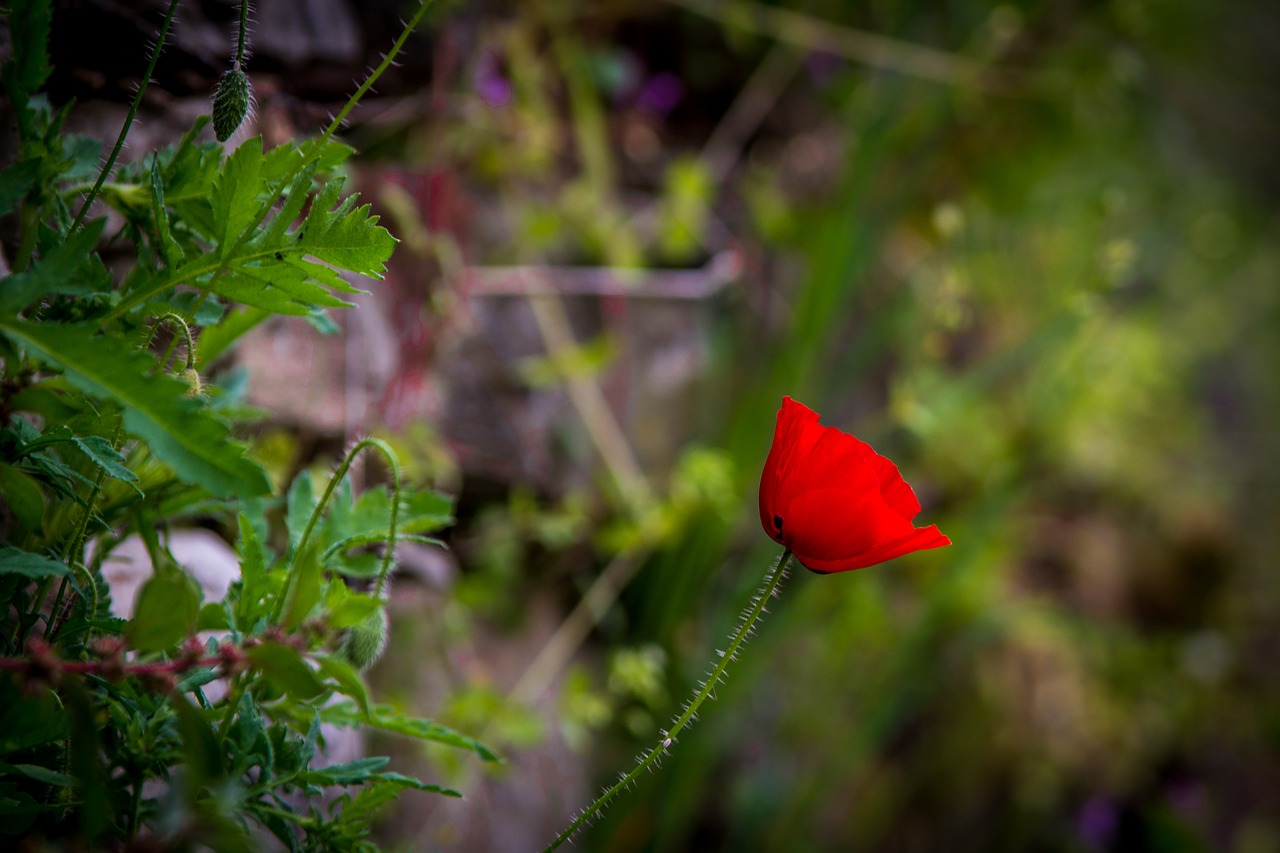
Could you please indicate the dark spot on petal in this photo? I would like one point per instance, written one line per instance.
(777, 522)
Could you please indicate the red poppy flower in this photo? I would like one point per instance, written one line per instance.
(835, 502)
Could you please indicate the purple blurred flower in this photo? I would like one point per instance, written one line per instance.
(823, 67)
(661, 93)
(491, 82)
(1096, 822)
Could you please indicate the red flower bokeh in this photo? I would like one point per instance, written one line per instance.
(833, 501)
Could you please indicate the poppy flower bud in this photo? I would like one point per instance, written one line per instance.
(191, 377)
(833, 501)
(230, 103)
(366, 641)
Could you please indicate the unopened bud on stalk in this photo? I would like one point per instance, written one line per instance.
(367, 640)
(230, 103)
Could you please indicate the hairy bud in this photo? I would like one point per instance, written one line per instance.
(365, 642)
(230, 103)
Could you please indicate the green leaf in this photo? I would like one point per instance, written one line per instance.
(235, 194)
(387, 719)
(350, 773)
(28, 721)
(103, 453)
(40, 774)
(287, 668)
(166, 611)
(301, 503)
(305, 593)
(347, 677)
(253, 575)
(52, 271)
(169, 248)
(26, 564)
(156, 408)
(23, 496)
(201, 753)
(346, 237)
(345, 609)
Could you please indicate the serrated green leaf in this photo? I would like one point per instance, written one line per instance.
(295, 196)
(349, 773)
(274, 286)
(102, 453)
(283, 664)
(166, 611)
(28, 565)
(51, 271)
(388, 719)
(345, 236)
(156, 408)
(253, 574)
(235, 194)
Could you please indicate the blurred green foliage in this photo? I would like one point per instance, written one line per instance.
(1051, 300)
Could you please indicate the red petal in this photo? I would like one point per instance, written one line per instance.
(839, 524)
(920, 539)
(796, 432)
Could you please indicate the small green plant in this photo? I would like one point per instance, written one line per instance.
(113, 730)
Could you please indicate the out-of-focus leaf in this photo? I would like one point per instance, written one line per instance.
(307, 580)
(26, 564)
(23, 496)
(166, 610)
(201, 753)
(388, 719)
(283, 664)
(348, 678)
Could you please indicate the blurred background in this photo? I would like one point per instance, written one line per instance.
(1027, 250)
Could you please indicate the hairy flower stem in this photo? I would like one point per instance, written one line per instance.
(128, 122)
(393, 464)
(707, 690)
(244, 25)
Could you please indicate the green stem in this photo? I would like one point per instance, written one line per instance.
(394, 465)
(133, 112)
(377, 72)
(653, 756)
(244, 23)
(184, 331)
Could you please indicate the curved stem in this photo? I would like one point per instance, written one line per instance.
(183, 330)
(394, 465)
(706, 690)
(133, 112)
